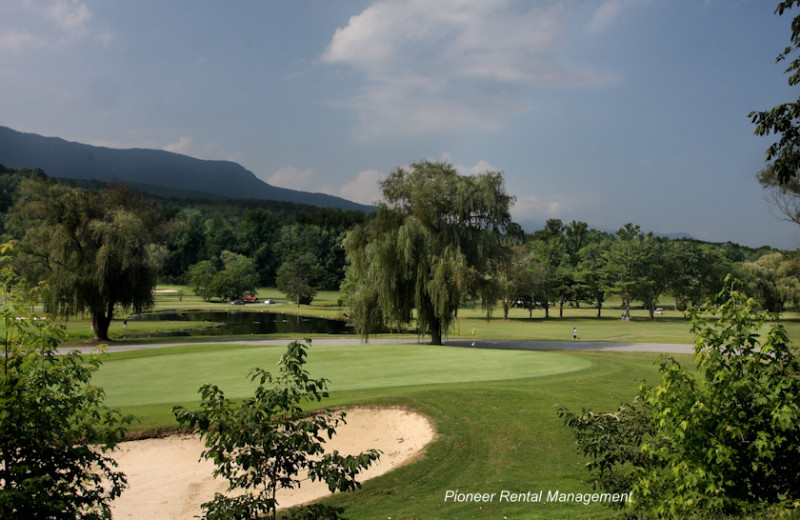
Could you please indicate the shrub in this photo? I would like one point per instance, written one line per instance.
(262, 443)
(725, 441)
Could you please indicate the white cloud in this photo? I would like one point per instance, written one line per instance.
(70, 15)
(48, 22)
(532, 207)
(182, 146)
(607, 13)
(292, 178)
(476, 169)
(105, 38)
(364, 189)
(434, 67)
(13, 40)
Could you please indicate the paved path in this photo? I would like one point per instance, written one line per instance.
(465, 343)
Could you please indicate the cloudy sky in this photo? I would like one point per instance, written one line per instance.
(606, 111)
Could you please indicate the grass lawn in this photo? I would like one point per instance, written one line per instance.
(669, 327)
(494, 412)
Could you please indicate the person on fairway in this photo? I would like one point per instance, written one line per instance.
(574, 333)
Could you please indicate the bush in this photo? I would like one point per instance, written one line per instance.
(723, 442)
(54, 430)
(262, 443)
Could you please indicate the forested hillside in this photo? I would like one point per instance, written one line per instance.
(267, 232)
(557, 266)
(154, 171)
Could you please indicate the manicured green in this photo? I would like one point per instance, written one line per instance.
(494, 413)
(175, 373)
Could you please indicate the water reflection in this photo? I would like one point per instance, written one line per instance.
(239, 322)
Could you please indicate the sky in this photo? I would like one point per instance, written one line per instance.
(602, 111)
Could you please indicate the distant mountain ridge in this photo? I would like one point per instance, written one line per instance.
(155, 171)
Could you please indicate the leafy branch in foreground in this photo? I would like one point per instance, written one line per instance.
(54, 430)
(723, 442)
(265, 442)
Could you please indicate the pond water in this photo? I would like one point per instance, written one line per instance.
(243, 322)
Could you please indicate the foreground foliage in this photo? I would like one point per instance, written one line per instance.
(263, 443)
(54, 429)
(782, 119)
(723, 442)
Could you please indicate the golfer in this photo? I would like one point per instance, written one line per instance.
(574, 333)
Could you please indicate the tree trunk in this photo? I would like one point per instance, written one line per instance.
(436, 331)
(599, 309)
(505, 310)
(100, 324)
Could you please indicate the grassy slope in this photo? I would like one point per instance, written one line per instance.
(496, 436)
(494, 412)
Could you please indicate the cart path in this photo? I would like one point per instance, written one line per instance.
(667, 348)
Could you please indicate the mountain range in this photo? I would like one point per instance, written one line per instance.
(160, 172)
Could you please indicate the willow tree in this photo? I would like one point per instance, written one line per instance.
(428, 246)
(92, 249)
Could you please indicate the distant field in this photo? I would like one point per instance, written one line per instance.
(669, 327)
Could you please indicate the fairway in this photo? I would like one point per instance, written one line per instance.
(174, 375)
(494, 413)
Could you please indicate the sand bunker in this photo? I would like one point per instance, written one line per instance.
(166, 480)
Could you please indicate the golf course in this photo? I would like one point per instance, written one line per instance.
(493, 410)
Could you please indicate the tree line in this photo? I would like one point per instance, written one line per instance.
(103, 248)
(443, 239)
(570, 264)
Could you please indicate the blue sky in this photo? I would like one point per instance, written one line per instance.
(606, 111)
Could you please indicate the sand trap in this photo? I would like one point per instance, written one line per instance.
(166, 481)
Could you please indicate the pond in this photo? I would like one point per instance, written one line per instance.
(236, 322)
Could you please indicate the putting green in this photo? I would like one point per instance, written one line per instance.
(148, 378)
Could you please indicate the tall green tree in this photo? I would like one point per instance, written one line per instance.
(428, 246)
(200, 278)
(773, 281)
(702, 269)
(184, 237)
(658, 271)
(91, 248)
(297, 276)
(238, 277)
(591, 272)
(513, 278)
(323, 243)
(554, 274)
(56, 434)
(623, 265)
(255, 234)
